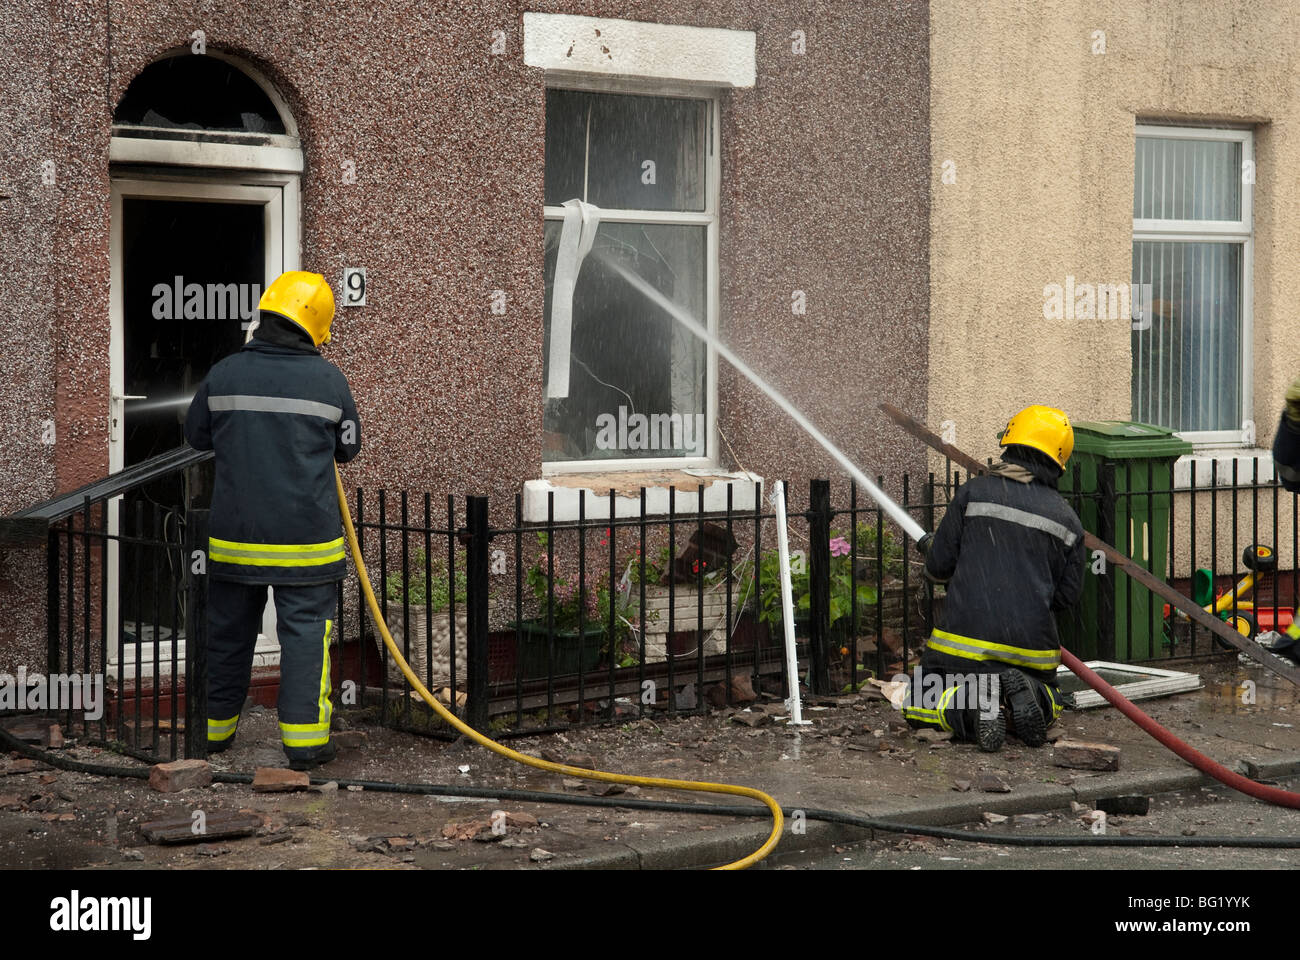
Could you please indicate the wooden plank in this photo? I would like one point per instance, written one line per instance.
(219, 826)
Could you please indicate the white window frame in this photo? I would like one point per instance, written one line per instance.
(707, 218)
(1215, 231)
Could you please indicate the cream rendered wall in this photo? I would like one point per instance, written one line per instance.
(1039, 130)
(1040, 133)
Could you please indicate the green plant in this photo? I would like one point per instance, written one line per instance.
(560, 595)
(656, 567)
(416, 588)
(843, 585)
(867, 549)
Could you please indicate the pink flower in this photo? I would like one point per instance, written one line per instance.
(839, 547)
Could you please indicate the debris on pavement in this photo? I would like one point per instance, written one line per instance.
(180, 775)
(1084, 755)
(1125, 806)
(991, 783)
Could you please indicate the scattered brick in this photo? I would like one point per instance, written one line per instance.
(279, 780)
(180, 775)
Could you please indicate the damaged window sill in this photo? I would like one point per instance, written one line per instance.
(566, 489)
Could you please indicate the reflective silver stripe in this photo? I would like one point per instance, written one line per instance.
(1024, 518)
(329, 551)
(220, 729)
(310, 408)
(293, 736)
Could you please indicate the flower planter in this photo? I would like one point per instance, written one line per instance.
(686, 603)
(441, 632)
(572, 654)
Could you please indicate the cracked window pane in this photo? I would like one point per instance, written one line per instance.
(637, 377)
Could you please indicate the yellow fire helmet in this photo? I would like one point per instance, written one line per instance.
(305, 298)
(1043, 428)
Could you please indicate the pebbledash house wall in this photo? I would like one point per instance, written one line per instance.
(825, 167)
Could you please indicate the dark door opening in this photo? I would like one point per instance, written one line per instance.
(192, 274)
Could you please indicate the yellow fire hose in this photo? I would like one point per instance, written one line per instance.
(778, 819)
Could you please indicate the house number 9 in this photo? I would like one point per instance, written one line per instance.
(354, 286)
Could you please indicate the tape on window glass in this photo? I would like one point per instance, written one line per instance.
(581, 221)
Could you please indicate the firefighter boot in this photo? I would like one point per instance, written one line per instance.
(992, 731)
(322, 756)
(1020, 693)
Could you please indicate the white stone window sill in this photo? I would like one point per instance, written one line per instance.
(1199, 465)
(627, 485)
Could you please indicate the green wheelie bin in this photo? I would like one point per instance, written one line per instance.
(1120, 481)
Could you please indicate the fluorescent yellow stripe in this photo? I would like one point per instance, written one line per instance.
(923, 714)
(323, 701)
(276, 547)
(943, 705)
(304, 734)
(1001, 652)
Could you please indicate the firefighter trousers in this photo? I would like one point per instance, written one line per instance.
(955, 701)
(305, 626)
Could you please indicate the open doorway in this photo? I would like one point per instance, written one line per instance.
(204, 166)
(192, 276)
(189, 261)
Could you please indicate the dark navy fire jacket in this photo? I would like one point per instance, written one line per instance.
(1011, 552)
(277, 415)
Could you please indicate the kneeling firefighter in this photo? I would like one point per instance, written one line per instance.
(277, 415)
(1011, 552)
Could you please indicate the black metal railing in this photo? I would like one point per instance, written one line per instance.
(611, 612)
(118, 583)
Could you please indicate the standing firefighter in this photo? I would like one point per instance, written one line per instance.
(278, 415)
(1286, 442)
(1011, 552)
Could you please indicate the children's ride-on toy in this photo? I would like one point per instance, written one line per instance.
(1232, 606)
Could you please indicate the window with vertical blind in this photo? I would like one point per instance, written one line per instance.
(1192, 245)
